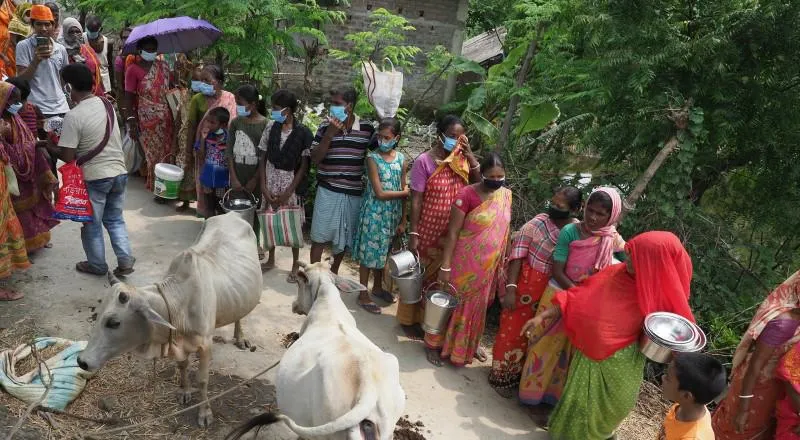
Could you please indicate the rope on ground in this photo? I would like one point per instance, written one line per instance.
(48, 387)
(97, 435)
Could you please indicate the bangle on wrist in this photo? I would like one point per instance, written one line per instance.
(511, 285)
(414, 233)
(475, 167)
(445, 269)
(749, 396)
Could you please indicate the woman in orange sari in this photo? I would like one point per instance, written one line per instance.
(475, 244)
(8, 65)
(437, 176)
(788, 411)
(529, 269)
(35, 180)
(150, 118)
(748, 410)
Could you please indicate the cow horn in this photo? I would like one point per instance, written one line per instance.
(112, 279)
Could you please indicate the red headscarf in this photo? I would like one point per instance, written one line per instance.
(607, 311)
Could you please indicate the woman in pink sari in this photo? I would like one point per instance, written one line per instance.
(210, 95)
(788, 409)
(31, 167)
(149, 117)
(473, 251)
(583, 248)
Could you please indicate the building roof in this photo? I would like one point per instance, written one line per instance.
(485, 46)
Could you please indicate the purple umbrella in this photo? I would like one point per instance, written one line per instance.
(175, 35)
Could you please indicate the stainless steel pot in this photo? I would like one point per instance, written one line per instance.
(661, 344)
(243, 207)
(410, 285)
(653, 350)
(403, 263)
(439, 305)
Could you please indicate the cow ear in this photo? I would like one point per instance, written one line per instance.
(153, 316)
(346, 285)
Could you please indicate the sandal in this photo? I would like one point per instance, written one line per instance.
(85, 267)
(291, 278)
(371, 308)
(480, 355)
(386, 296)
(10, 295)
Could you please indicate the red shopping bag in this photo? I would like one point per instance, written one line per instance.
(73, 198)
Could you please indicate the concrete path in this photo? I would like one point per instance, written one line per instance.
(451, 403)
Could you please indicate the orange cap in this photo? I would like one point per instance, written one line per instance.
(41, 13)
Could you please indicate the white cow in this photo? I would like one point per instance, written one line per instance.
(215, 282)
(333, 383)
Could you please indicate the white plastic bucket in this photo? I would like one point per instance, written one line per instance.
(168, 181)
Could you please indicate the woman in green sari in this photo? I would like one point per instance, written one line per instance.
(603, 319)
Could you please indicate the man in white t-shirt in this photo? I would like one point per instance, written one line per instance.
(105, 174)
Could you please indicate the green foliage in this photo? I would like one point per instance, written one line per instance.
(253, 30)
(619, 71)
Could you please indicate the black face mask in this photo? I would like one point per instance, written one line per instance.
(493, 184)
(557, 214)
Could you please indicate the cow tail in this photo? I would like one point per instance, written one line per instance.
(353, 418)
(366, 403)
(256, 422)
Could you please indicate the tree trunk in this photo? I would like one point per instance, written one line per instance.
(681, 120)
(514, 102)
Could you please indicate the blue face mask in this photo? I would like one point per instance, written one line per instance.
(448, 143)
(339, 112)
(242, 111)
(149, 56)
(92, 35)
(278, 116)
(196, 85)
(387, 146)
(206, 89)
(14, 108)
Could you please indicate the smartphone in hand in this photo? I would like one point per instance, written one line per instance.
(42, 41)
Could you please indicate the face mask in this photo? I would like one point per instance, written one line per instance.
(557, 214)
(92, 35)
(242, 111)
(448, 143)
(207, 89)
(15, 108)
(278, 116)
(220, 131)
(387, 146)
(196, 86)
(493, 184)
(339, 112)
(148, 56)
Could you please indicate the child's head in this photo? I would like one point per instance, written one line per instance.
(218, 117)
(248, 101)
(389, 131)
(693, 378)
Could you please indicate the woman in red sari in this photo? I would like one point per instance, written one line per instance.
(474, 246)
(748, 410)
(529, 269)
(149, 116)
(788, 411)
(437, 176)
(35, 179)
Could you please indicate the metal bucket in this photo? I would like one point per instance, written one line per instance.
(403, 263)
(243, 207)
(410, 286)
(439, 305)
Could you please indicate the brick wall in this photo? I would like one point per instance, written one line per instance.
(437, 22)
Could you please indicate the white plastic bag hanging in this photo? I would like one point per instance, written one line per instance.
(384, 88)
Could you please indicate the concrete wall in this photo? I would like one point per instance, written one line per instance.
(437, 22)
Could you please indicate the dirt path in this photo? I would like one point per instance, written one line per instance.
(449, 403)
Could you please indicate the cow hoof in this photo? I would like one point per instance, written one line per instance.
(185, 396)
(205, 417)
(242, 344)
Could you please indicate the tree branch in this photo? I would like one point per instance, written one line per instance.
(514, 102)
